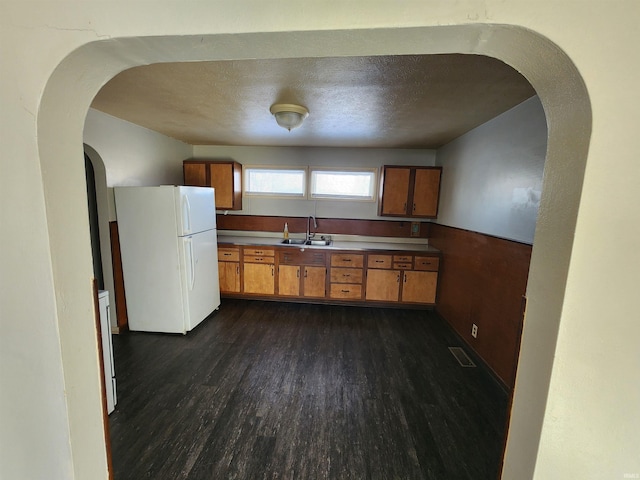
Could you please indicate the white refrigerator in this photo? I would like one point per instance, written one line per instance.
(169, 255)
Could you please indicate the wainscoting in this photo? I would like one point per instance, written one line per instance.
(337, 226)
(483, 280)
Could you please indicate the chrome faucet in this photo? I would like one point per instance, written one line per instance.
(315, 227)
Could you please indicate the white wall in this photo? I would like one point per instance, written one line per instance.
(134, 155)
(492, 175)
(575, 408)
(315, 157)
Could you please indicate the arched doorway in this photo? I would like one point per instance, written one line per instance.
(568, 113)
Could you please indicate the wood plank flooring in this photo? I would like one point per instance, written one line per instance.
(266, 390)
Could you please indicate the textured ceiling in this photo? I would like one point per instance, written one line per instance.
(404, 101)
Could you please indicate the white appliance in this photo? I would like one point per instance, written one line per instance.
(169, 253)
(107, 350)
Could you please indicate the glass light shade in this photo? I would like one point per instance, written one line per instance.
(289, 116)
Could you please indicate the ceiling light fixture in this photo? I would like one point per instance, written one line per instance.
(289, 116)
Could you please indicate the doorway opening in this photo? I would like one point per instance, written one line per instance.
(568, 114)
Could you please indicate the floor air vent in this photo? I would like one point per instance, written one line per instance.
(462, 357)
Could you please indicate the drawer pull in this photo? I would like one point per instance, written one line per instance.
(226, 254)
(346, 274)
(379, 261)
(345, 291)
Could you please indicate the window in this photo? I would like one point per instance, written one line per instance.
(275, 181)
(348, 184)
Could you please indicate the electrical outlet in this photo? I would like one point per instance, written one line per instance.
(474, 331)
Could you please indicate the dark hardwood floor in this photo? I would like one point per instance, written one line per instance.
(266, 390)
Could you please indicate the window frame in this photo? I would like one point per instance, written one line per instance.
(373, 171)
(291, 168)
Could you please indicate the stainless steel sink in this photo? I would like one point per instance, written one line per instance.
(293, 241)
(318, 242)
(314, 242)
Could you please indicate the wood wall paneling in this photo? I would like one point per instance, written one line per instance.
(337, 226)
(482, 281)
(122, 319)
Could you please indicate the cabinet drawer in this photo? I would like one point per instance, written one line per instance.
(427, 263)
(403, 266)
(379, 261)
(403, 258)
(347, 260)
(346, 290)
(229, 254)
(259, 252)
(346, 275)
(256, 259)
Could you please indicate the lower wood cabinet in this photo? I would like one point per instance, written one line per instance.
(285, 272)
(302, 273)
(259, 278)
(383, 285)
(229, 274)
(314, 281)
(289, 280)
(419, 287)
(346, 276)
(229, 269)
(402, 278)
(259, 271)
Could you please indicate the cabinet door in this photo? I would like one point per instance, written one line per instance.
(195, 174)
(289, 280)
(221, 175)
(259, 278)
(419, 287)
(315, 281)
(383, 285)
(229, 273)
(425, 192)
(395, 191)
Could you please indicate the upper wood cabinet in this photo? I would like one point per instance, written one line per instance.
(409, 191)
(224, 176)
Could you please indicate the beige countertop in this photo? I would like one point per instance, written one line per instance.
(339, 243)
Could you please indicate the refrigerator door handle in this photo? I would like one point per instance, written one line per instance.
(186, 219)
(191, 262)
